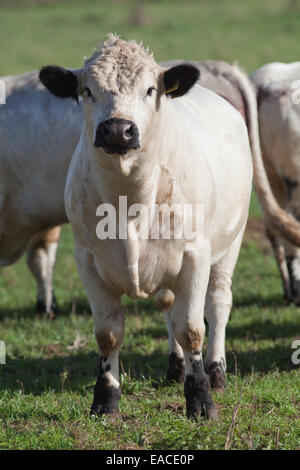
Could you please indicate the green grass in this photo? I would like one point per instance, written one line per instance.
(45, 387)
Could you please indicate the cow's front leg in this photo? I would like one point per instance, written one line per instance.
(187, 317)
(41, 255)
(109, 331)
(280, 256)
(164, 302)
(175, 372)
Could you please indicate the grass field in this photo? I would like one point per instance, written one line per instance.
(46, 385)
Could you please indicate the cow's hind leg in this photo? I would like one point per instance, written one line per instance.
(217, 310)
(109, 331)
(175, 372)
(293, 265)
(282, 190)
(41, 255)
(282, 262)
(293, 252)
(187, 318)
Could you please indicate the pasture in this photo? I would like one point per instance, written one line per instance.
(46, 384)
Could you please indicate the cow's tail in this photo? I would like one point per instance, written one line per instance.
(282, 222)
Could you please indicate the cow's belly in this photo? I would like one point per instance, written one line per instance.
(11, 248)
(159, 262)
(158, 265)
(17, 228)
(14, 235)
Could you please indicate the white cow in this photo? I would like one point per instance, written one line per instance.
(277, 87)
(138, 143)
(34, 163)
(38, 134)
(28, 148)
(29, 154)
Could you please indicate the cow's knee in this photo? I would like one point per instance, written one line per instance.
(108, 341)
(109, 332)
(190, 337)
(164, 300)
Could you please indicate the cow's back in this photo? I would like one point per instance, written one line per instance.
(217, 76)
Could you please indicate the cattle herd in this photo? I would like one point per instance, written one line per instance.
(74, 143)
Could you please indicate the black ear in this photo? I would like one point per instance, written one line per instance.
(179, 79)
(61, 82)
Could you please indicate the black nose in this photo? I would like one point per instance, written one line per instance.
(117, 136)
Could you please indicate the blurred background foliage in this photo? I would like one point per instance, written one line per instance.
(35, 32)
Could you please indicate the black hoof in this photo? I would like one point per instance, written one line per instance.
(287, 299)
(40, 307)
(205, 409)
(216, 376)
(106, 397)
(293, 264)
(99, 409)
(198, 398)
(210, 412)
(175, 373)
(54, 305)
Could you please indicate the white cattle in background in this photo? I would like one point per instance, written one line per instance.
(278, 96)
(38, 134)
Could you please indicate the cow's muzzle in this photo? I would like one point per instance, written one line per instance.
(117, 136)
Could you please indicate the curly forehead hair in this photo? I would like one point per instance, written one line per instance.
(116, 64)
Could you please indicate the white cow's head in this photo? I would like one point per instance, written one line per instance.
(123, 89)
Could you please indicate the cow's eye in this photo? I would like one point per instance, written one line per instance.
(150, 90)
(88, 91)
